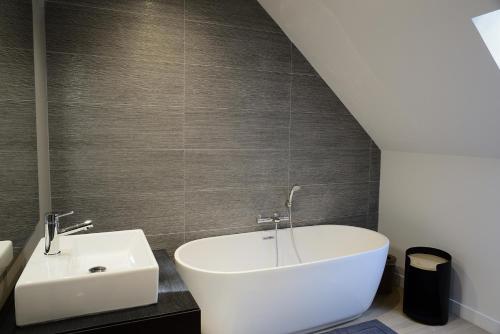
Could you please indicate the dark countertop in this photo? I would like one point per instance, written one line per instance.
(173, 298)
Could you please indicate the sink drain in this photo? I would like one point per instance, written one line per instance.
(98, 269)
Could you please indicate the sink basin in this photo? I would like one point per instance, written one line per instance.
(94, 273)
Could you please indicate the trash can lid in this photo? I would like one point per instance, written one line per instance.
(426, 261)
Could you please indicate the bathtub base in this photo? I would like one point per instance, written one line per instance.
(239, 290)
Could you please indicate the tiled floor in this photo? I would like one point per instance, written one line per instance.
(388, 309)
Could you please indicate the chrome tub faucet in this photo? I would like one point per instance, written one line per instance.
(275, 219)
(53, 231)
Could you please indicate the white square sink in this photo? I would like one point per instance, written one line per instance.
(61, 286)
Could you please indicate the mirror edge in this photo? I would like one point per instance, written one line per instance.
(9, 278)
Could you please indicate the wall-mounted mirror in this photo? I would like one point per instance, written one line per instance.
(18, 147)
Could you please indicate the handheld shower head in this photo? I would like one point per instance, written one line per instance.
(295, 188)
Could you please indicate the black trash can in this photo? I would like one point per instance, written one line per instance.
(427, 285)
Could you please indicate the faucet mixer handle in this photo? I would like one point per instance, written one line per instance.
(52, 217)
(86, 225)
(59, 215)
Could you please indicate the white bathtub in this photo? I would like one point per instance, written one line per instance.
(240, 291)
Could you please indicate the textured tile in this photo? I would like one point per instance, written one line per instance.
(18, 175)
(110, 172)
(375, 156)
(209, 44)
(211, 87)
(97, 80)
(80, 126)
(16, 67)
(84, 30)
(154, 213)
(147, 224)
(173, 223)
(374, 196)
(233, 128)
(217, 169)
(207, 210)
(311, 95)
(169, 242)
(16, 27)
(17, 128)
(18, 160)
(190, 236)
(324, 202)
(322, 166)
(170, 8)
(18, 184)
(372, 221)
(320, 120)
(358, 221)
(300, 65)
(18, 219)
(240, 13)
(118, 126)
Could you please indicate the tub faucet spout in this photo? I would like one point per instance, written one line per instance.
(275, 219)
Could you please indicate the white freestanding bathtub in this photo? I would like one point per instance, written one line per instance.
(240, 290)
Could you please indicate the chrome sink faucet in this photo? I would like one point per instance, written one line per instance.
(52, 231)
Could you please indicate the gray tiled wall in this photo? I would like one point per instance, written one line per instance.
(18, 165)
(189, 118)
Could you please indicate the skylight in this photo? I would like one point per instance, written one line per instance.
(489, 28)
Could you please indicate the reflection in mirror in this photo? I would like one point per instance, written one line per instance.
(18, 155)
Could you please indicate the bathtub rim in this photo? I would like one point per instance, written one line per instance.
(298, 265)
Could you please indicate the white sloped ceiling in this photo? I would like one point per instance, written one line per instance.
(415, 73)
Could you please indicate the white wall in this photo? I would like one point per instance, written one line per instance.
(452, 203)
(415, 73)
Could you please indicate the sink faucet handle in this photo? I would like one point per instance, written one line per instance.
(59, 215)
(86, 225)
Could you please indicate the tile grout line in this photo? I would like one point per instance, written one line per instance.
(13, 48)
(369, 178)
(106, 9)
(138, 60)
(17, 101)
(149, 149)
(290, 116)
(225, 25)
(112, 104)
(369, 160)
(243, 68)
(189, 149)
(184, 122)
(256, 188)
(325, 220)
